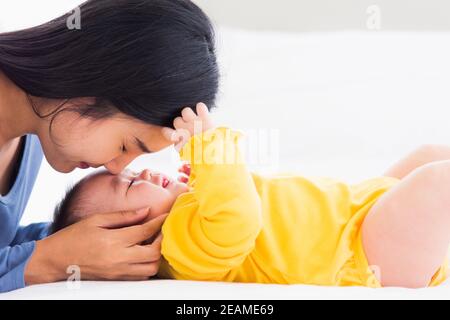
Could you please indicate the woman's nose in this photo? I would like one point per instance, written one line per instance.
(113, 168)
(117, 165)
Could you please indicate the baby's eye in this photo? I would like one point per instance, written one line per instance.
(131, 183)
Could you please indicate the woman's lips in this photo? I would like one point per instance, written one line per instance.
(83, 165)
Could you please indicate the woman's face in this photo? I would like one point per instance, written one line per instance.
(76, 142)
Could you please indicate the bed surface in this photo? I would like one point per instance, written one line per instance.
(189, 290)
(345, 105)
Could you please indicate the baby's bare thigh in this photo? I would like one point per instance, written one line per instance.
(407, 232)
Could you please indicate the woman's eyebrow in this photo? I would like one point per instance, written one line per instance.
(141, 145)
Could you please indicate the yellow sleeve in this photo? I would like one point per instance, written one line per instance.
(215, 229)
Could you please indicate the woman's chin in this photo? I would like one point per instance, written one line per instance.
(63, 168)
(66, 167)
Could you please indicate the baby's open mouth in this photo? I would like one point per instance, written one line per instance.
(165, 182)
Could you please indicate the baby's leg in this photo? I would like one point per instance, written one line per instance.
(406, 234)
(419, 157)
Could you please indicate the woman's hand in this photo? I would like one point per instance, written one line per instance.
(188, 125)
(102, 247)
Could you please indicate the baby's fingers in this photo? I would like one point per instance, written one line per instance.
(183, 178)
(188, 115)
(185, 168)
(179, 123)
(204, 114)
(202, 110)
(169, 134)
(178, 137)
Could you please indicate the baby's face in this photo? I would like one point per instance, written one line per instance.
(105, 192)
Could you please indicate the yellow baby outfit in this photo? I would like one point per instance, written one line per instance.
(236, 226)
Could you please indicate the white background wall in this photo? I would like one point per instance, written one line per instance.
(330, 15)
(291, 15)
(17, 14)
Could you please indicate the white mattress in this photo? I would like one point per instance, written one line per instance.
(345, 105)
(190, 290)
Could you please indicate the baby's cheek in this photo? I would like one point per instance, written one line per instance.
(139, 196)
(162, 202)
(180, 189)
(144, 195)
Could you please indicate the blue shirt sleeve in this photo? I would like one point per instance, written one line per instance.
(17, 244)
(13, 261)
(35, 231)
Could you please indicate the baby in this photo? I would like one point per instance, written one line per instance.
(227, 224)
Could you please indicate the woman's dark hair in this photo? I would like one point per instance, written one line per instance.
(145, 58)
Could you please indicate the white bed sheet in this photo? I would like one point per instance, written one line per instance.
(345, 105)
(190, 290)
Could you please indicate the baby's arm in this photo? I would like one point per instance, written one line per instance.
(419, 157)
(208, 237)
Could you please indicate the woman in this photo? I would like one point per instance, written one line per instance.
(98, 96)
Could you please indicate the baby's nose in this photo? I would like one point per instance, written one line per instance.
(157, 179)
(145, 175)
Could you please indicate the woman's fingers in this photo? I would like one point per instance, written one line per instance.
(135, 278)
(124, 276)
(104, 250)
(119, 219)
(145, 254)
(130, 272)
(138, 234)
(143, 269)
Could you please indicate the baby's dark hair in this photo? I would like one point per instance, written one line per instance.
(69, 209)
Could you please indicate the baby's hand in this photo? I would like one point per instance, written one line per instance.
(185, 172)
(189, 124)
(192, 122)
